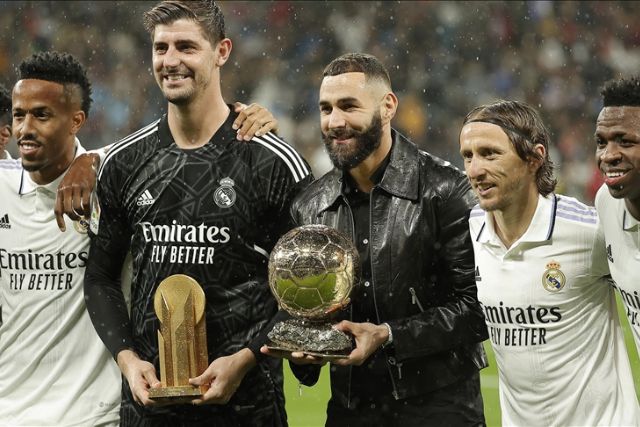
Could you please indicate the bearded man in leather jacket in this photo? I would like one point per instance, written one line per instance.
(415, 316)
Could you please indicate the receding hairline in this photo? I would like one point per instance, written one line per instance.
(71, 91)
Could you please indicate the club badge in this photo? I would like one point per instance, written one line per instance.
(81, 226)
(225, 195)
(553, 279)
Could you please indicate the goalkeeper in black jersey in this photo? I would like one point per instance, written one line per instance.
(184, 196)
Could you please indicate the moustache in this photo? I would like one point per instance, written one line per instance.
(341, 134)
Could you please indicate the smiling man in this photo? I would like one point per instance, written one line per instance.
(415, 316)
(54, 370)
(542, 280)
(618, 201)
(187, 171)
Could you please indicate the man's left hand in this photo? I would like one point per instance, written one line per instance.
(74, 191)
(224, 376)
(253, 120)
(369, 338)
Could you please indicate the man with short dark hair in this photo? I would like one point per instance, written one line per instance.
(618, 200)
(54, 370)
(415, 316)
(542, 280)
(225, 204)
(5, 122)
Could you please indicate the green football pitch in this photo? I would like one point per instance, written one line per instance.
(306, 405)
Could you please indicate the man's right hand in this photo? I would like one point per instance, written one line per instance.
(140, 374)
(74, 191)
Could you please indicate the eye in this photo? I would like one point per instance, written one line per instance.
(600, 143)
(325, 110)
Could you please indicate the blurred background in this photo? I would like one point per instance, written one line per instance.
(444, 58)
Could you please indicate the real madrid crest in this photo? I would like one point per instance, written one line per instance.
(225, 195)
(81, 226)
(553, 279)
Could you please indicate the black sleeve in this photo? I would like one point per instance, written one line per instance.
(280, 183)
(110, 238)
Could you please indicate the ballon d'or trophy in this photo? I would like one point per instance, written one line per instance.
(179, 304)
(312, 271)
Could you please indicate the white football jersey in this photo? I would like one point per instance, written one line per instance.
(552, 320)
(622, 235)
(54, 370)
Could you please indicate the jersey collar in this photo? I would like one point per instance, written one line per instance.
(629, 223)
(28, 186)
(540, 229)
(222, 135)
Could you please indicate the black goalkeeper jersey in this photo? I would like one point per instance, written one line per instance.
(213, 213)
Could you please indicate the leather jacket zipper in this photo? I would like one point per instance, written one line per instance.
(415, 300)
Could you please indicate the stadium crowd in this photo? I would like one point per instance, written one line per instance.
(445, 57)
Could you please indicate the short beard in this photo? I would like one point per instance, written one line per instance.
(366, 142)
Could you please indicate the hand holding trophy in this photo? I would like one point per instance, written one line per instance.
(312, 271)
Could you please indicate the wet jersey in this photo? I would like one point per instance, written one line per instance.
(54, 370)
(622, 236)
(552, 320)
(212, 213)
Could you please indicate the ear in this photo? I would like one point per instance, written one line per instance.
(536, 163)
(223, 48)
(5, 136)
(77, 120)
(388, 107)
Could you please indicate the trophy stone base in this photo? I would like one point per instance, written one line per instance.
(312, 338)
(179, 394)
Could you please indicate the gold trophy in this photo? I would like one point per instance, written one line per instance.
(179, 303)
(312, 271)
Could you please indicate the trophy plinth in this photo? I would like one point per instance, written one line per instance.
(312, 271)
(179, 303)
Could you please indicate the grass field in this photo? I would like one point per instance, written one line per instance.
(306, 406)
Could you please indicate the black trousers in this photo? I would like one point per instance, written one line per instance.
(458, 404)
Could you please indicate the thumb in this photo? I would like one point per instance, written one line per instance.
(151, 378)
(205, 378)
(344, 326)
(238, 106)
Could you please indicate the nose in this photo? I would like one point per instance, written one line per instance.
(25, 128)
(610, 153)
(475, 168)
(170, 58)
(336, 119)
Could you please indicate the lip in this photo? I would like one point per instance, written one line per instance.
(483, 190)
(342, 141)
(28, 147)
(615, 177)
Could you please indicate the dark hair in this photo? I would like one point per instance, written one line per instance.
(5, 106)
(58, 67)
(524, 127)
(358, 63)
(621, 92)
(205, 12)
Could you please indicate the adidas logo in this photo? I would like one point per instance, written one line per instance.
(4, 222)
(478, 277)
(609, 254)
(145, 199)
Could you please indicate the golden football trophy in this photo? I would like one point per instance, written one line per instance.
(179, 303)
(312, 271)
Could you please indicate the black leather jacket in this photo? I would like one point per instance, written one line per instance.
(422, 267)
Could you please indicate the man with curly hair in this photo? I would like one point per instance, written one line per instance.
(618, 200)
(54, 370)
(5, 122)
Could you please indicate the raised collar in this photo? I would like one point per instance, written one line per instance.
(27, 185)
(540, 228)
(401, 176)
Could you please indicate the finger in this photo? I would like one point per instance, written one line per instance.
(58, 210)
(238, 106)
(206, 378)
(77, 201)
(68, 203)
(150, 377)
(344, 326)
(242, 116)
(251, 131)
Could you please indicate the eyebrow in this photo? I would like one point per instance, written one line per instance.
(346, 100)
